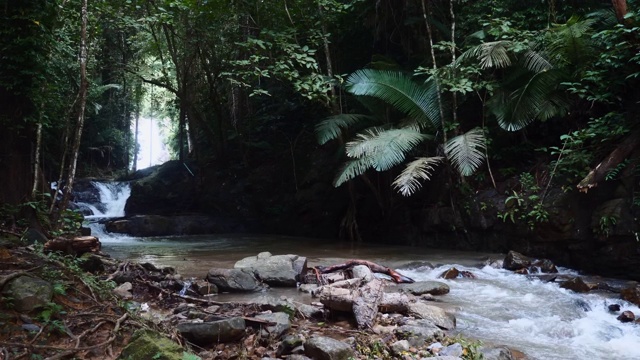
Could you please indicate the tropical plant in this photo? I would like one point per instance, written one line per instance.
(385, 146)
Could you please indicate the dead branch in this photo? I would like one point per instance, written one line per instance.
(397, 277)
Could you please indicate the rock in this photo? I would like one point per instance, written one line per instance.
(516, 261)
(631, 295)
(282, 324)
(452, 273)
(28, 293)
(91, 262)
(419, 332)
(146, 344)
(233, 280)
(209, 333)
(496, 353)
(362, 272)
(289, 343)
(436, 315)
(31, 328)
(576, 284)
(33, 236)
(308, 288)
(310, 311)
(446, 358)
(614, 307)
(454, 350)
(204, 287)
(326, 348)
(400, 346)
(275, 270)
(545, 266)
(626, 316)
(124, 291)
(423, 287)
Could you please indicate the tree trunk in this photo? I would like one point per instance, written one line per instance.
(75, 246)
(134, 167)
(82, 97)
(598, 174)
(620, 8)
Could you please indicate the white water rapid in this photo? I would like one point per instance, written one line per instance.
(113, 198)
(541, 319)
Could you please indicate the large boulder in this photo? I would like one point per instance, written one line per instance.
(161, 225)
(235, 280)
(631, 294)
(436, 315)
(515, 261)
(576, 284)
(326, 348)
(147, 344)
(209, 333)
(275, 270)
(28, 293)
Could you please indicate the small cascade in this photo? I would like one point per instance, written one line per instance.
(112, 200)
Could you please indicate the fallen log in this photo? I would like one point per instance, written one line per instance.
(76, 246)
(397, 277)
(365, 305)
(340, 299)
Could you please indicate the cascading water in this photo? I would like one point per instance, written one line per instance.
(112, 200)
(538, 318)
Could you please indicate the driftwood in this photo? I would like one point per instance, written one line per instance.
(397, 277)
(365, 305)
(77, 245)
(341, 299)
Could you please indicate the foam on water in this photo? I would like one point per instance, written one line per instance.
(538, 318)
(113, 198)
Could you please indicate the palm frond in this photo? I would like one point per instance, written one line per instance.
(408, 182)
(331, 127)
(351, 169)
(571, 43)
(535, 61)
(397, 89)
(466, 151)
(384, 148)
(491, 54)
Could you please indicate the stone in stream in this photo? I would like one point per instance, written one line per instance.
(28, 293)
(614, 307)
(576, 284)
(281, 324)
(233, 280)
(362, 272)
(275, 270)
(626, 316)
(631, 294)
(421, 287)
(515, 261)
(326, 348)
(209, 333)
(454, 350)
(452, 273)
(496, 353)
(545, 266)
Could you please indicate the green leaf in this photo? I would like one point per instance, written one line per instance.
(408, 182)
(384, 148)
(466, 151)
(331, 127)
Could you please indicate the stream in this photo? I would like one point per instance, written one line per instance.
(498, 307)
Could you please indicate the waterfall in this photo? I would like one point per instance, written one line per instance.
(112, 198)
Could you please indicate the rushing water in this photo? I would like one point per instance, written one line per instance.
(499, 307)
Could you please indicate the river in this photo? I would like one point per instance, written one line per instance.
(498, 307)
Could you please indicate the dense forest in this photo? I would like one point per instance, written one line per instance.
(344, 113)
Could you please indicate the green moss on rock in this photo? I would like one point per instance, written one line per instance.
(149, 345)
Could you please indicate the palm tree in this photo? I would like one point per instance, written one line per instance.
(384, 146)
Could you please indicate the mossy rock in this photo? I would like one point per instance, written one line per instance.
(147, 345)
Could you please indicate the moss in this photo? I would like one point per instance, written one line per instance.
(148, 345)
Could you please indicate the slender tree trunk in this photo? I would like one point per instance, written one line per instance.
(454, 111)
(435, 66)
(36, 161)
(620, 8)
(83, 101)
(134, 168)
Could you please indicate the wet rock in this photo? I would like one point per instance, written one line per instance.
(289, 344)
(204, 287)
(419, 332)
(545, 266)
(124, 291)
(522, 271)
(576, 284)
(614, 307)
(308, 288)
(467, 274)
(452, 273)
(28, 293)
(446, 358)
(209, 333)
(626, 316)
(282, 324)
(422, 287)
(516, 261)
(310, 311)
(362, 272)
(233, 280)
(436, 315)
(275, 270)
(326, 348)
(454, 350)
(631, 295)
(146, 345)
(496, 353)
